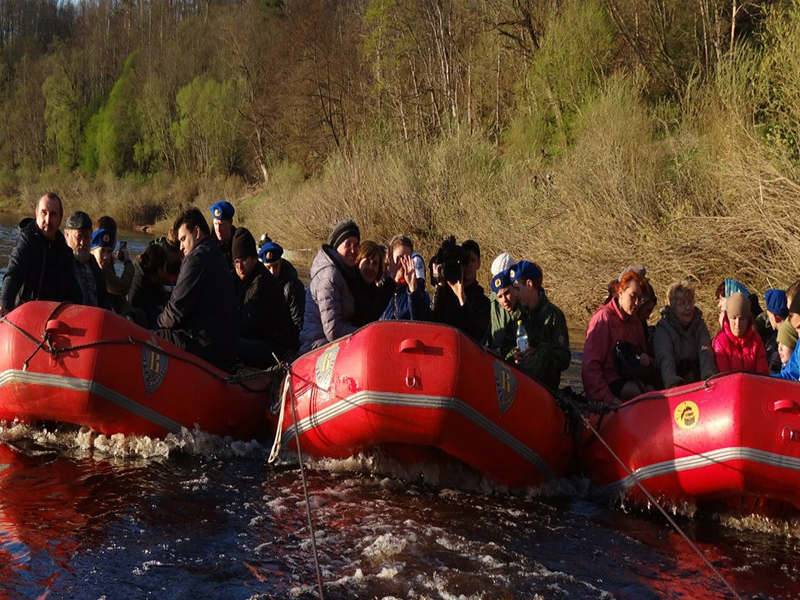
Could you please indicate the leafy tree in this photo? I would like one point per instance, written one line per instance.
(62, 116)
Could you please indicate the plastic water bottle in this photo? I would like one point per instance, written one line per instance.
(522, 337)
(419, 266)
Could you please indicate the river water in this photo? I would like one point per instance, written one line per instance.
(192, 516)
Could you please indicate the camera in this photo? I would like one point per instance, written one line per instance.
(447, 264)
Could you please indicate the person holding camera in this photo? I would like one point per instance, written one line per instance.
(450, 305)
(330, 305)
(548, 353)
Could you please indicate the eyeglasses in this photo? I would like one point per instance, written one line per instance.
(683, 303)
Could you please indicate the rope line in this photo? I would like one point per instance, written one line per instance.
(652, 499)
(305, 490)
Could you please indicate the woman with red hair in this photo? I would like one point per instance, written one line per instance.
(615, 347)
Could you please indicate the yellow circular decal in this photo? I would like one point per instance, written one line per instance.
(687, 414)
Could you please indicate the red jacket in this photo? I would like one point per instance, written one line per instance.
(607, 326)
(744, 353)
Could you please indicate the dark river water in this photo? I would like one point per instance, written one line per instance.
(192, 516)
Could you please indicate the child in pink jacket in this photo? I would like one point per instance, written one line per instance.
(738, 347)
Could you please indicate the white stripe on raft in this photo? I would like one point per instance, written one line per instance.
(363, 398)
(699, 461)
(83, 385)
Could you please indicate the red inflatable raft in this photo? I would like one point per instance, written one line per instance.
(88, 366)
(733, 440)
(410, 387)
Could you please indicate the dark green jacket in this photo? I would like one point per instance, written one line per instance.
(549, 339)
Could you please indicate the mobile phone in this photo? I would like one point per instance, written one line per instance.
(123, 245)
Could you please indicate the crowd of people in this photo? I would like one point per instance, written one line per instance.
(217, 293)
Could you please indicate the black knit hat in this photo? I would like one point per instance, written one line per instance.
(342, 231)
(243, 245)
(79, 220)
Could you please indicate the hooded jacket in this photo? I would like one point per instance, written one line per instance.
(39, 269)
(607, 326)
(329, 301)
(683, 354)
(744, 353)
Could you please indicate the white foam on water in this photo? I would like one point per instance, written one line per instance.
(385, 547)
(85, 442)
(761, 524)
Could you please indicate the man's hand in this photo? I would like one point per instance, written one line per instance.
(645, 360)
(519, 357)
(458, 290)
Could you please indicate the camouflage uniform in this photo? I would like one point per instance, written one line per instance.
(549, 339)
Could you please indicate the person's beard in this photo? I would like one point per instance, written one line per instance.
(82, 255)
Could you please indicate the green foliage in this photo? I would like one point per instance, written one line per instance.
(565, 73)
(207, 130)
(63, 117)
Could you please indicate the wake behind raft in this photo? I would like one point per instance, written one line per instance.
(90, 367)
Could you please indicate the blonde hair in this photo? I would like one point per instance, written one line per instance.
(682, 287)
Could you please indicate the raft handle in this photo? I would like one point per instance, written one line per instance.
(786, 406)
(56, 326)
(412, 345)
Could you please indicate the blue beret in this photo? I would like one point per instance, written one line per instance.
(102, 238)
(501, 281)
(270, 252)
(524, 270)
(222, 211)
(776, 303)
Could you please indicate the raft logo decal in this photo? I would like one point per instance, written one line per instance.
(324, 368)
(154, 367)
(687, 414)
(506, 386)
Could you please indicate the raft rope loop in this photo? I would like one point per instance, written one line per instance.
(652, 499)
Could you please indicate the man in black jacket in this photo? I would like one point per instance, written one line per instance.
(201, 314)
(264, 320)
(78, 233)
(40, 266)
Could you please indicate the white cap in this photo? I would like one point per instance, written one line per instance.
(501, 263)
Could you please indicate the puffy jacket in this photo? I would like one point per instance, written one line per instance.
(683, 354)
(293, 292)
(744, 353)
(39, 270)
(263, 314)
(329, 301)
(203, 303)
(607, 326)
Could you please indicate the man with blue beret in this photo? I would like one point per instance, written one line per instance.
(768, 323)
(102, 248)
(271, 254)
(504, 309)
(548, 353)
(222, 214)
